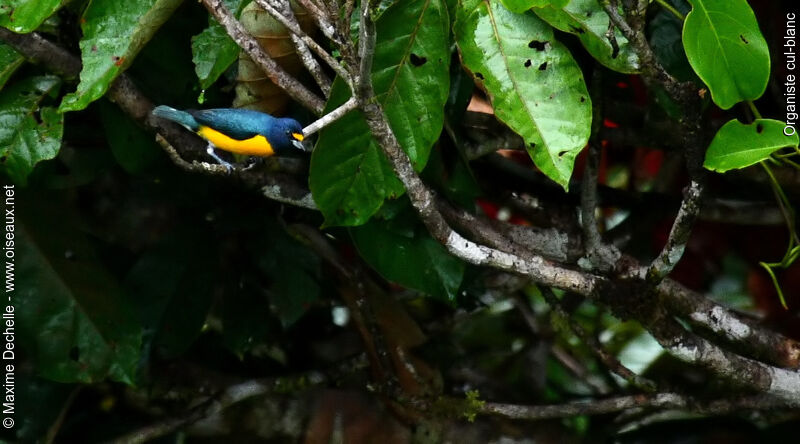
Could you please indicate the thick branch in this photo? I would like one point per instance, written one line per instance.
(273, 71)
(662, 401)
(779, 383)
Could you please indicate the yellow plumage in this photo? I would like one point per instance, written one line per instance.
(254, 146)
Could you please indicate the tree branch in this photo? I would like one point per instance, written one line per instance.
(331, 117)
(273, 71)
(294, 28)
(308, 60)
(664, 401)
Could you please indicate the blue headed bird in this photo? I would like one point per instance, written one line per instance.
(240, 131)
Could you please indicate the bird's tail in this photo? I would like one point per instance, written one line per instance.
(181, 117)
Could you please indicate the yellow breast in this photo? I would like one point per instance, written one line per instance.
(254, 146)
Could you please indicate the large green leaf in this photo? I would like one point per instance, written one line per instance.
(213, 51)
(24, 16)
(587, 20)
(293, 271)
(415, 260)
(113, 33)
(535, 85)
(350, 178)
(524, 5)
(737, 145)
(29, 133)
(133, 148)
(10, 60)
(726, 50)
(170, 287)
(72, 316)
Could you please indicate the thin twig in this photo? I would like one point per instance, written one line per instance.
(321, 18)
(609, 360)
(331, 117)
(294, 27)
(308, 60)
(274, 72)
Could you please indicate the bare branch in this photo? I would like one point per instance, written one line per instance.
(294, 28)
(273, 71)
(678, 236)
(331, 117)
(671, 401)
(300, 46)
(321, 18)
(604, 257)
(609, 360)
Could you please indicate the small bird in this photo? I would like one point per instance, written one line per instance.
(240, 131)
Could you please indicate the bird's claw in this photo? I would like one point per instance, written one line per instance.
(227, 165)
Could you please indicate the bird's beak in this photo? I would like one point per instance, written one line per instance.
(297, 141)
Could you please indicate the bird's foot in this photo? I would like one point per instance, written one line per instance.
(227, 165)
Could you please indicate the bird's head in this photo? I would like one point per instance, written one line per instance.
(286, 135)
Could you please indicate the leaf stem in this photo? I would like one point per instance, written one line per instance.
(783, 201)
(768, 267)
(753, 109)
(671, 9)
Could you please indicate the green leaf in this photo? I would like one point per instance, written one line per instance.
(293, 271)
(665, 39)
(417, 261)
(726, 50)
(350, 178)
(535, 85)
(10, 60)
(133, 148)
(587, 20)
(113, 33)
(737, 145)
(170, 287)
(213, 51)
(523, 5)
(23, 16)
(28, 133)
(72, 316)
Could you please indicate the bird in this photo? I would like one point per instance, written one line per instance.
(240, 131)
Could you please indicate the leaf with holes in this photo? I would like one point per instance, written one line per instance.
(519, 6)
(113, 34)
(29, 133)
(350, 177)
(737, 145)
(72, 316)
(535, 85)
(23, 16)
(10, 60)
(726, 50)
(587, 20)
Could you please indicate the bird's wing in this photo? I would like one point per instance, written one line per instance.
(239, 124)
